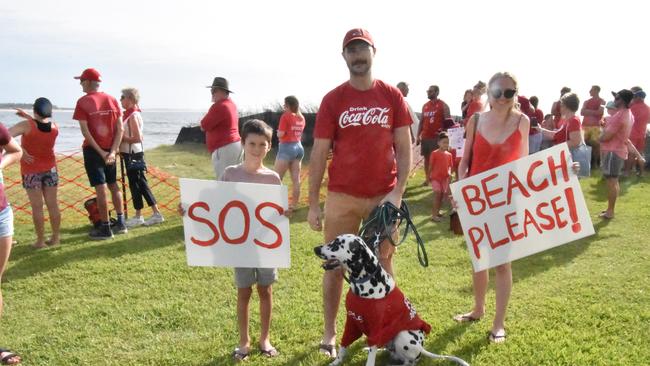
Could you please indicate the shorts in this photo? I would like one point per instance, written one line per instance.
(440, 186)
(40, 180)
(427, 146)
(639, 143)
(97, 170)
(344, 214)
(247, 277)
(6, 222)
(226, 156)
(290, 151)
(611, 164)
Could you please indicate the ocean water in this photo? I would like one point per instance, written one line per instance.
(161, 127)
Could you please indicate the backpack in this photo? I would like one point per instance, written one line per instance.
(93, 211)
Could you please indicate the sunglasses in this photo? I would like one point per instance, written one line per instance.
(122, 97)
(508, 93)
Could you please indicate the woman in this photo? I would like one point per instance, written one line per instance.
(290, 150)
(467, 97)
(475, 105)
(132, 150)
(38, 168)
(12, 154)
(496, 137)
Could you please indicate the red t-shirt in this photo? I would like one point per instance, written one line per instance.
(101, 111)
(379, 319)
(440, 162)
(433, 113)
(641, 113)
(221, 124)
(292, 124)
(40, 145)
(568, 126)
(593, 104)
(361, 126)
(5, 138)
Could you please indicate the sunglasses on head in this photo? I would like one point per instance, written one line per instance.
(508, 93)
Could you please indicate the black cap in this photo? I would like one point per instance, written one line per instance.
(625, 94)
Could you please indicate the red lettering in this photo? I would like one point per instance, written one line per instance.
(278, 234)
(563, 167)
(530, 219)
(476, 240)
(514, 182)
(192, 215)
(489, 194)
(573, 211)
(529, 177)
(510, 225)
(469, 200)
(549, 219)
(494, 245)
(247, 222)
(557, 211)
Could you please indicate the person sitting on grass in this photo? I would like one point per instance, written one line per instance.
(38, 168)
(441, 162)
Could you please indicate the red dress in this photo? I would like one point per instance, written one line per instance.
(486, 156)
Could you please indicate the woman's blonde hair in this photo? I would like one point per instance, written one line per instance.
(132, 93)
(503, 75)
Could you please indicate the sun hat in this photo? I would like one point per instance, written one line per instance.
(220, 83)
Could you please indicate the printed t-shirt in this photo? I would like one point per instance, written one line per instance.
(593, 104)
(641, 113)
(361, 126)
(5, 138)
(621, 125)
(379, 319)
(433, 113)
(237, 173)
(101, 112)
(221, 124)
(40, 145)
(568, 126)
(292, 124)
(440, 162)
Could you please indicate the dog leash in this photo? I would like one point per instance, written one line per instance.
(383, 220)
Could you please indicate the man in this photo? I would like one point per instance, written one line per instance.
(592, 111)
(433, 113)
(100, 119)
(404, 89)
(641, 113)
(613, 147)
(221, 126)
(363, 118)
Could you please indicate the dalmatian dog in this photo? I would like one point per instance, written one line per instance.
(375, 306)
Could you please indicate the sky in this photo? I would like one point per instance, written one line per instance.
(171, 50)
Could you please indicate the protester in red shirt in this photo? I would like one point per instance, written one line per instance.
(476, 104)
(433, 113)
(467, 97)
(641, 112)
(100, 119)
(442, 162)
(290, 150)
(535, 138)
(496, 137)
(555, 109)
(38, 168)
(366, 124)
(571, 130)
(592, 111)
(221, 126)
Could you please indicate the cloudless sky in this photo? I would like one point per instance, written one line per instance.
(171, 50)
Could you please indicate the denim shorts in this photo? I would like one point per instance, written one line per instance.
(49, 178)
(96, 169)
(247, 277)
(6, 222)
(290, 151)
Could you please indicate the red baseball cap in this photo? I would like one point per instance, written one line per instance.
(89, 74)
(358, 33)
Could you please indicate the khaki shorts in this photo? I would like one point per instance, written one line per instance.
(611, 164)
(344, 214)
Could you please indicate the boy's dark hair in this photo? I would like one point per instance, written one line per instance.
(442, 135)
(43, 107)
(257, 127)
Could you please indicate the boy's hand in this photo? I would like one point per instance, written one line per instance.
(180, 209)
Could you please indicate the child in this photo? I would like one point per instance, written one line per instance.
(441, 163)
(256, 138)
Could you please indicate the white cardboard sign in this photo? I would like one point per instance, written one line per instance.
(230, 224)
(522, 208)
(457, 139)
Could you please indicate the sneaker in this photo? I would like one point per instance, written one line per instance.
(119, 228)
(135, 221)
(156, 218)
(101, 232)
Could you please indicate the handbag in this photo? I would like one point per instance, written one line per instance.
(135, 161)
(582, 155)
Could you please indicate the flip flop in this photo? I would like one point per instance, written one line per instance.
(327, 349)
(464, 318)
(271, 352)
(604, 215)
(238, 355)
(496, 338)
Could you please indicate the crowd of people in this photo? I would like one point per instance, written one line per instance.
(363, 116)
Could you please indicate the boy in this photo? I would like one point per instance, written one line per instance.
(441, 162)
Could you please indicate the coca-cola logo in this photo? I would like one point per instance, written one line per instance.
(363, 116)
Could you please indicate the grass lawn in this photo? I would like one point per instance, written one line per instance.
(134, 301)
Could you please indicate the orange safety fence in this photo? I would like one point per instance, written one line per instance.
(74, 189)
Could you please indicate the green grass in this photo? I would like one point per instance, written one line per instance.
(134, 300)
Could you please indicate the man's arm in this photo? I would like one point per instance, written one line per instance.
(90, 139)
(609, 132)
(446, 108)
(402, 144)
(317, 163)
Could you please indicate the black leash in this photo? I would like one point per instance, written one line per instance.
(381, 223)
